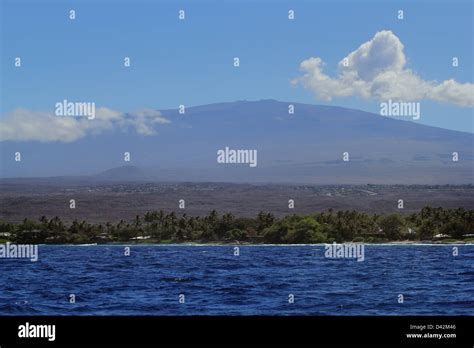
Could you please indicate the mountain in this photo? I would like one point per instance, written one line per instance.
(306, 147)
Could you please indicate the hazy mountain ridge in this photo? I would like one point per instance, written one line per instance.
(305, 147)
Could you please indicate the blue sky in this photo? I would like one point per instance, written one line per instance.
(191, 62)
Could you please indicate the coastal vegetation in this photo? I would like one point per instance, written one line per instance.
(322, 227)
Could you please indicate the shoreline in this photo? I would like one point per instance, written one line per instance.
(457, 243)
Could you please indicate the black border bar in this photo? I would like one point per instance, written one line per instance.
(208, 330)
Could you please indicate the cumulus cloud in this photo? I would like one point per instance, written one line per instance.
(377, 70)
(27, 125)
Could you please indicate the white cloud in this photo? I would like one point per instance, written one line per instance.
(144, 121)
(377, 70)
(27, 125)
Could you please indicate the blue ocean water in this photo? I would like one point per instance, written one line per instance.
(258, 282)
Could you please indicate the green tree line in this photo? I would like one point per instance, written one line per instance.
(322, 227)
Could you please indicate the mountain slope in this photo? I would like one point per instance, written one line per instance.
(305, 147)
